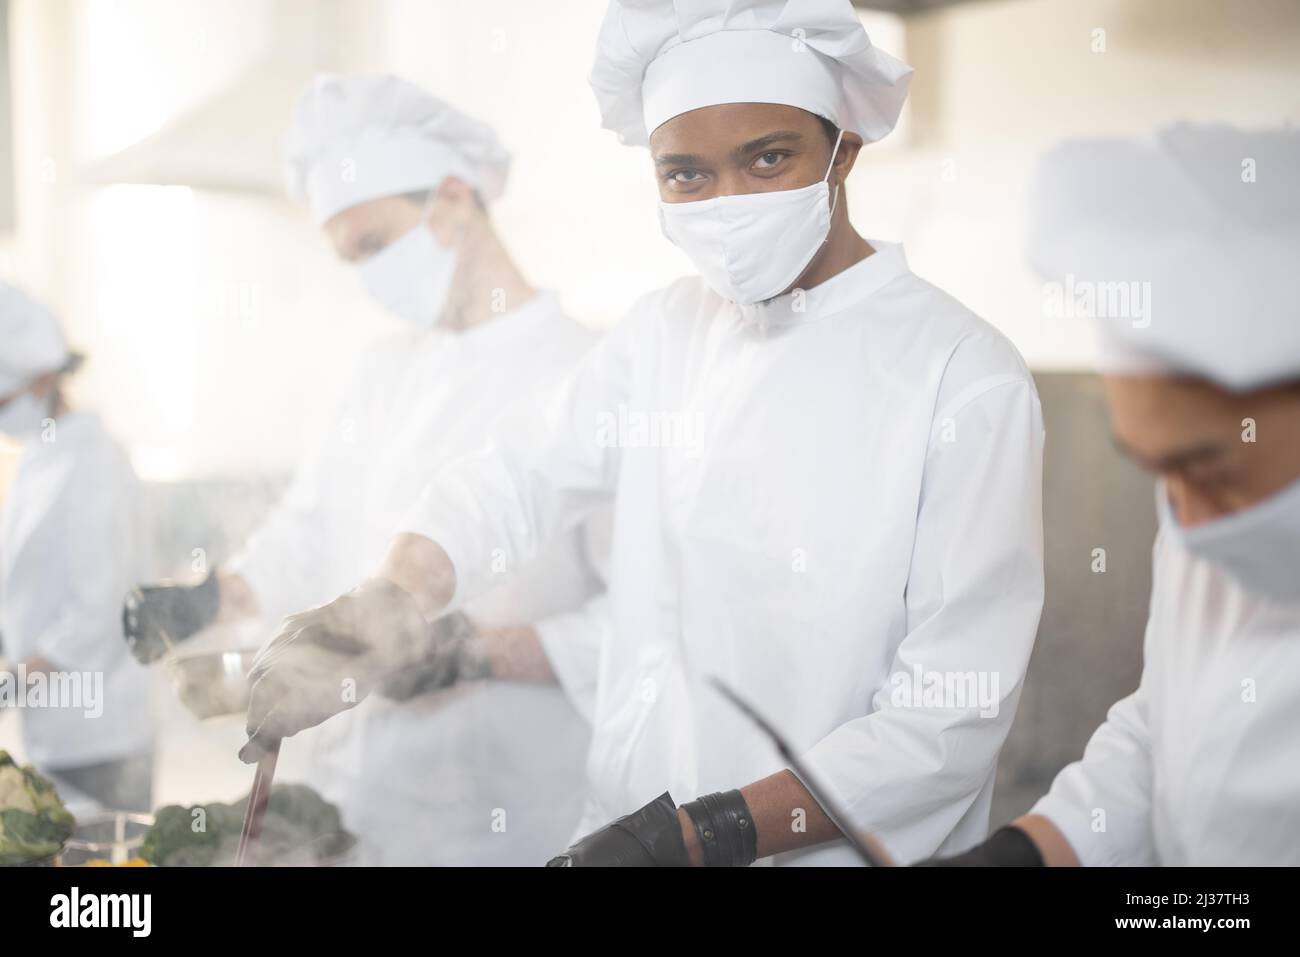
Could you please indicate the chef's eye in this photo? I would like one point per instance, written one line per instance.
(769, 160)
(685, 177)
(370, 244)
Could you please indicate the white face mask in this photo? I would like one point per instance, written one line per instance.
(751, 247)
(24, 415)
(1259, 546)
(411, 276)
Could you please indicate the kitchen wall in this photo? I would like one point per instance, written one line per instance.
(999, 82)
(217, 322)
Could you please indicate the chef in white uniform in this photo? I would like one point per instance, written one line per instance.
(71, 543)
(486, 773)
(1200, 765)
(825, 473)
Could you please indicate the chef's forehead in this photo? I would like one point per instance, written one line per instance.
(726, 126)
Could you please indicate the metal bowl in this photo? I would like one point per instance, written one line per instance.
(213, 683)
(113, 837)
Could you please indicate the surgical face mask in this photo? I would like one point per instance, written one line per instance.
(751, 247)
(1257, 546)
(411, 276)
(22, 416)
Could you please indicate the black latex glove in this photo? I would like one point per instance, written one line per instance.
(453, 654)
(1007, 847)
(649, 837)
(328, 659)
(176, 611)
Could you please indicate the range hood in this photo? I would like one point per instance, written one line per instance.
(232, 141)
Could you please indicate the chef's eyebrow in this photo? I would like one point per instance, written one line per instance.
(740, 152)
(679, 159)
(754, 146)
(1181, 458)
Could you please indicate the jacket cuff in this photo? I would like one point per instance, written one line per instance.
(572, 643)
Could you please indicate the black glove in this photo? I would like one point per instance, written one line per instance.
(328, 659)
(156, 616)
(650, 837)
(453, 654)
(1008, 847)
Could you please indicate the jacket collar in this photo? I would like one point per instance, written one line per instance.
(841, 291)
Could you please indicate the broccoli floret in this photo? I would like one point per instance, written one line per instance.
(34, 824)
(299, 827)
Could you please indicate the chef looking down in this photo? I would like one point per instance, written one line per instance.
(853, 498)
(399, 180)
(70, 544)
(1198, 766)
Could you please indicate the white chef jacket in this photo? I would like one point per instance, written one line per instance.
(1199, 765)
(430, 780)
(849, 488)
(71, 546)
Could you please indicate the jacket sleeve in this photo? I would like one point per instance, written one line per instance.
(280, 560)
(91, 550)
(547, 466)
(1102, 802)
(573, 641)
(911, 768)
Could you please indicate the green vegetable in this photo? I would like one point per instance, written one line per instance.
(299, 827)
(33, 821)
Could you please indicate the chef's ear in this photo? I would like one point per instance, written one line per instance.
(846, 156)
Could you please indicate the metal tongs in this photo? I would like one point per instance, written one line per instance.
(871, 856)
(257, 801)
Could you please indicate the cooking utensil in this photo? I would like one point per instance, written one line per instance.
(871, 856)
(214, 683)
(257, 800)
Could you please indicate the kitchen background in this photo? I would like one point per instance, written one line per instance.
(141, 197)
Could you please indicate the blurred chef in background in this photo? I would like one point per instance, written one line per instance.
(71, 543)
(400, 181)
(1200, 765)
(840, 498)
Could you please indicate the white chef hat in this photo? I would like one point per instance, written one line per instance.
(1202, 223)
(656, 59)
(357, 138)
(31, 342)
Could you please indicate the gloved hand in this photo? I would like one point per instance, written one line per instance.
(328, 659)
(154, 616)
(1008, 847)
(453, 653)
(650, 837)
